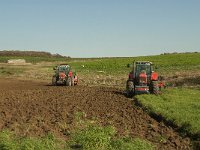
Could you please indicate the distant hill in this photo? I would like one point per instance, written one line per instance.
(30, 53)
(178, 53)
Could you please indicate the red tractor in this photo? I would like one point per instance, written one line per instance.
(142, 79)
(64, 75)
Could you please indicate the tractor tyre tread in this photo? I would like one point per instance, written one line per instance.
(155, 87)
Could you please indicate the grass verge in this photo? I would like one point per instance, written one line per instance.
(180, 106)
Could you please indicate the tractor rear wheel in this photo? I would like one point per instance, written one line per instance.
(155, 87)
(69, 81)
(54, 81)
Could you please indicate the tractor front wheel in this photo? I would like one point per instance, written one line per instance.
(129, 89)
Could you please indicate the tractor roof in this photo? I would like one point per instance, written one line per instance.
(63, 64)
(142, 62)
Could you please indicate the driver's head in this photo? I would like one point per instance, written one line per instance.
(143, 68)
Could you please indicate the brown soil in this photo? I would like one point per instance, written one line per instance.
(34, 109)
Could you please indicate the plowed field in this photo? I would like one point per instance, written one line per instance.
(33, 109)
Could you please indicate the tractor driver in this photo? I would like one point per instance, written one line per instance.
(143, 69)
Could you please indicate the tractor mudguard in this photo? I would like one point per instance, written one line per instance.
(154, 76)
(131, 76)
(70, 74)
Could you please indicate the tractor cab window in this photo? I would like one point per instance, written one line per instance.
(63, 68)
(143, 69)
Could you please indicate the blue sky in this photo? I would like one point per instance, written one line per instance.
(98, 28)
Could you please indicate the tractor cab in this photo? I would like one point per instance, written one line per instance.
(63, 68)
(142, 72)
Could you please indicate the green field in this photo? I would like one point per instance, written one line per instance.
(108, 71)
(180, 106)
(165, 63)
